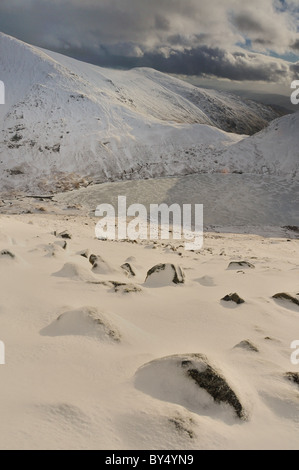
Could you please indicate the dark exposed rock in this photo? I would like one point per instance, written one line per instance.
(167, 374)
(126, 288)
(176, 274)
(215, 384)
(128, 270)
(7, 253)
(16, 172)
(66, 235)
(62, 244)
(292, 228)
(16, 138)
(233, 298)
(56, 148)
(84, 254)
(293, 377)
(183, 426)
(288, 297)
(99, 265)
(240, 264)
(101, 283)
(118, 286)
(246, 344)
(93, 259)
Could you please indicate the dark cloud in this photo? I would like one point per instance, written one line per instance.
(162, 23)
(201, 61)
(247, 23)
(295, 69)
(295, 46)
(193, 37)
(217, 62)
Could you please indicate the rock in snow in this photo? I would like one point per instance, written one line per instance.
(99, 265)
(233, 298)
(176, 379)
(66, 235)
(127, 268)
(286, 297)
(7, 254)
(293, 377)
(164, 274)
(246, 344)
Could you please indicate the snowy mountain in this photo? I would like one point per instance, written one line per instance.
(66, 123)
(273, 151)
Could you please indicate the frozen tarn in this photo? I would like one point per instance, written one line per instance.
(228, 200)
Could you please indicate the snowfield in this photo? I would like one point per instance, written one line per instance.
(67, 123)
(101, 360)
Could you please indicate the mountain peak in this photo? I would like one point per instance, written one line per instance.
(64, 119)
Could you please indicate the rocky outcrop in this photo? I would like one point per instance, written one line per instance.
(173, 379)
(99, 265)
(233, 298)
(129, 271)
(286, 297)
(247, 345)
(164, 274)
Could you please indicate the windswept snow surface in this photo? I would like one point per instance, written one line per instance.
(69, 121)
(91, 368)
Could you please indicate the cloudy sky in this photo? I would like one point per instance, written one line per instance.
(228, 39)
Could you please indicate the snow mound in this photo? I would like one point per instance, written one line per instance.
(86, 321)
(99, 265)
(190, 381)
(164, 275)
(75, 272)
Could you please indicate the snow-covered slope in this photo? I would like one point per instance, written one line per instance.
(275, 150)
(66, 122)
(91, 368)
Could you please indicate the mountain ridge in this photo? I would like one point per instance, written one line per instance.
(67, 123)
